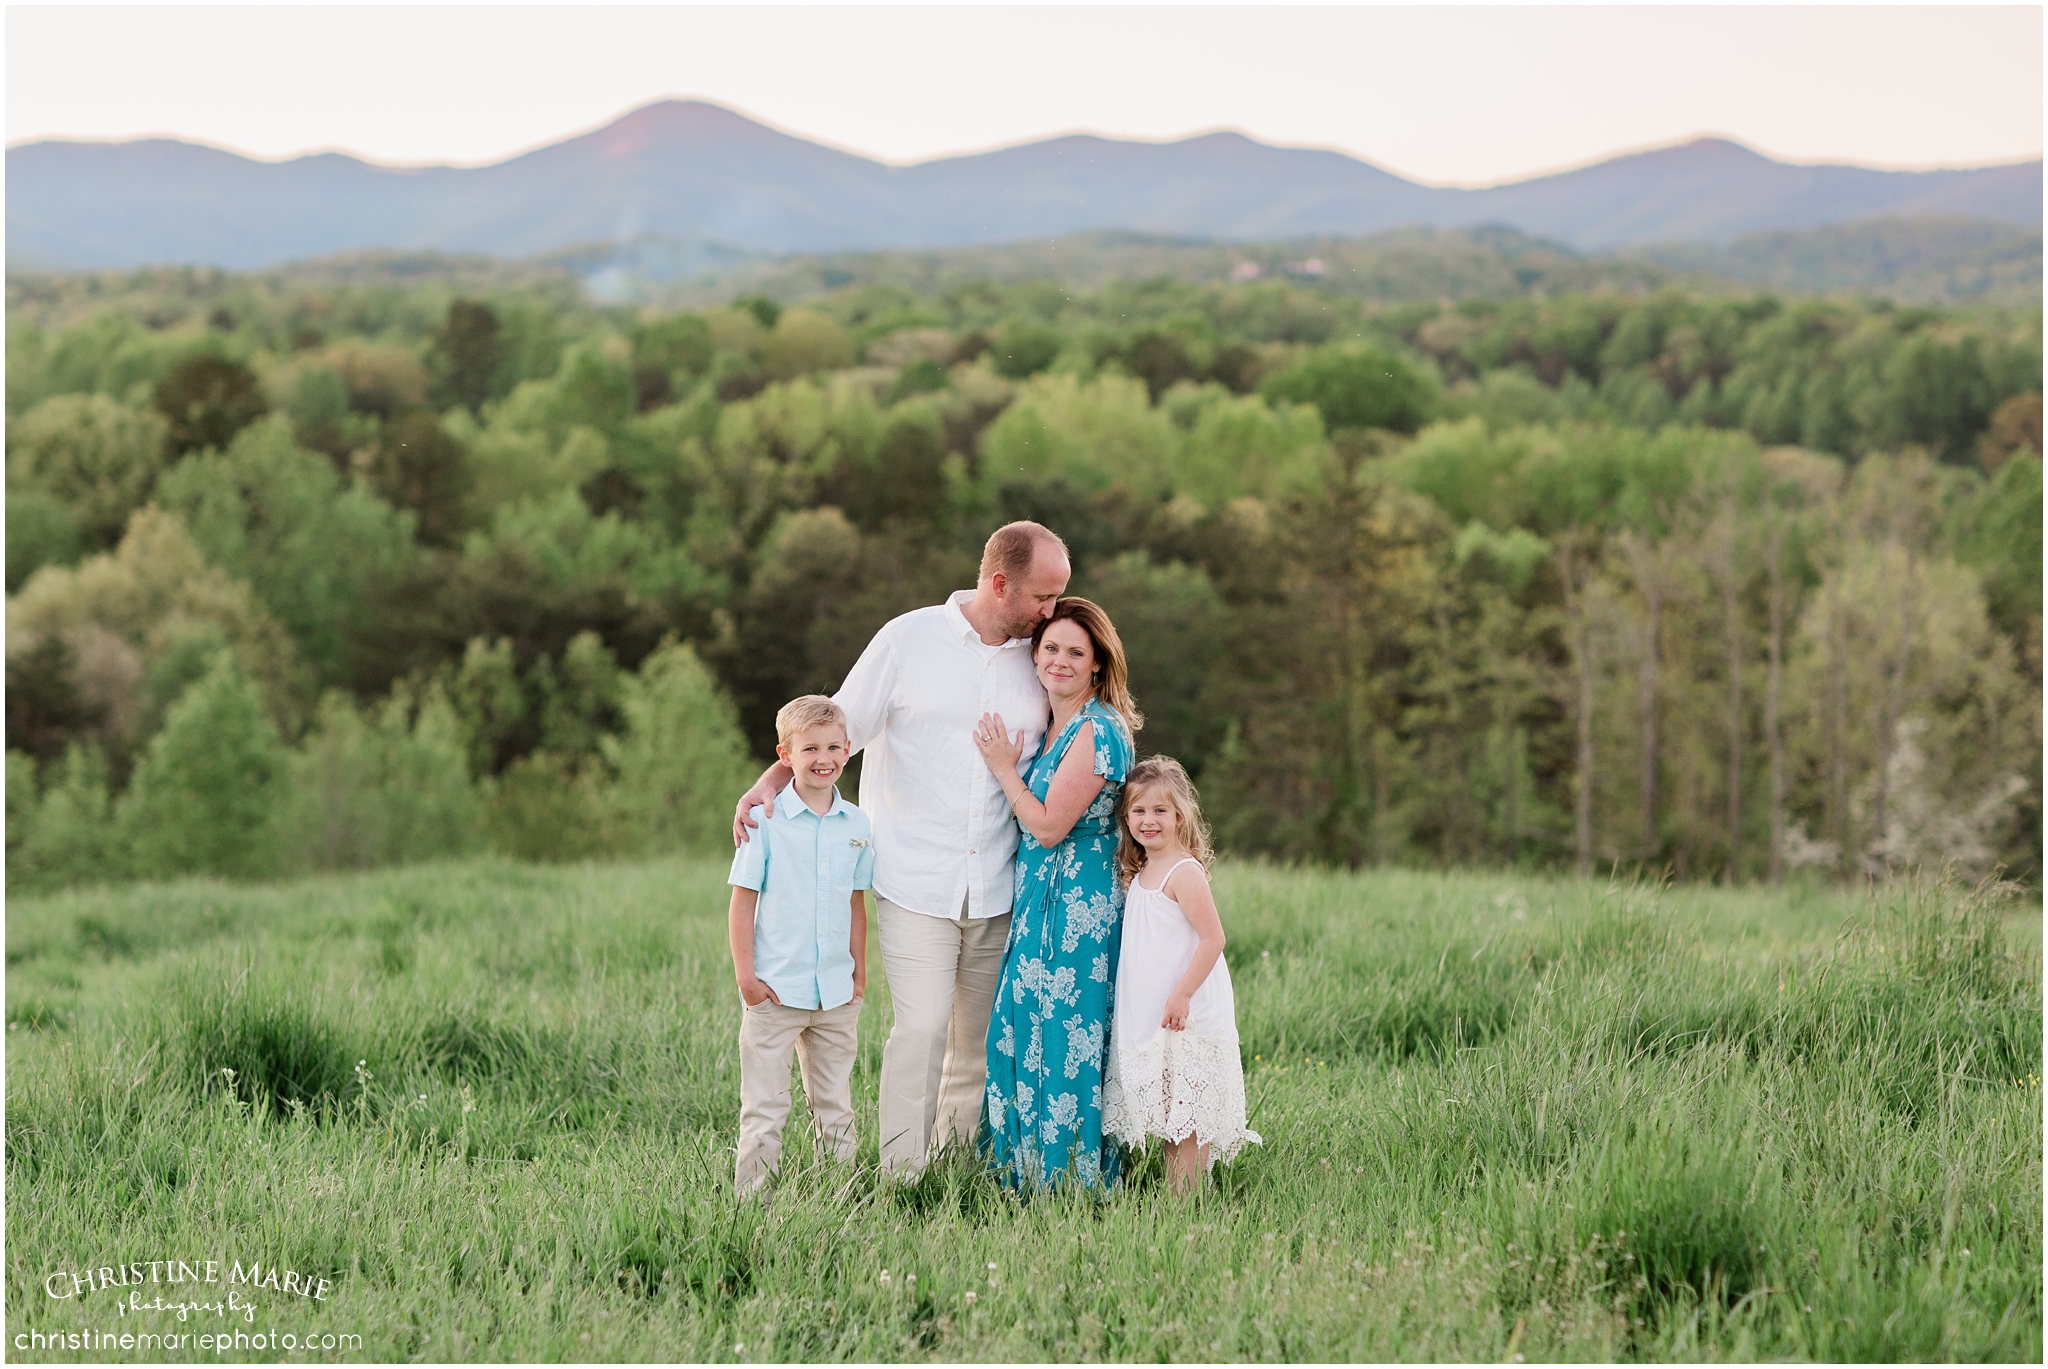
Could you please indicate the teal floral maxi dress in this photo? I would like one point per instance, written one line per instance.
(1041, 1121)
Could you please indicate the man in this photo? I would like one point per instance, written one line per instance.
(945, 839)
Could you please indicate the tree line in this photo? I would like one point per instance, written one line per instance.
(1733, 586)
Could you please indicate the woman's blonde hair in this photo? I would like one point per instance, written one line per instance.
(1112, 671)
(1167, 775)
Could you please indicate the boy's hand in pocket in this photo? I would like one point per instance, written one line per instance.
(753, 992)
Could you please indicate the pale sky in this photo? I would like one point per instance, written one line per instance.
(1442, 95)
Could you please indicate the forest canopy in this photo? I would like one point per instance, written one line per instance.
(325, 574)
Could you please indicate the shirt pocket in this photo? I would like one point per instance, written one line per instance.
(842, 865)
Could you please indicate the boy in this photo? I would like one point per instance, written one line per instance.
(799, 932)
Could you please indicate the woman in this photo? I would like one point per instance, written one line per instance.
(1047, 1037)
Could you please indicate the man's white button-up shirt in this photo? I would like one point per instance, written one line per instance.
(944, 834)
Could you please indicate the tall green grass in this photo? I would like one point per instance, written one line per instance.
(495, 1105)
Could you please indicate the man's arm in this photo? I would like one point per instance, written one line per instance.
(762, 795)
(864, 696)
(869, 686)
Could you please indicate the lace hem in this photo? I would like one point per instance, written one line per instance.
(1180, 1085)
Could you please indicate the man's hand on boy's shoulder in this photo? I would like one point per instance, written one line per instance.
(760, 796)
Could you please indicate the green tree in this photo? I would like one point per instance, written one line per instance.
(323, 558)
(802, 574)
(2015, 427)
(2001, 538)
(1240, 445)
(579, 699)
(91, 648)
(1359, 385)
(490, 704)
(417, 465)
(314, 397)
(206, 400)
(97, 456)
(592, 390)
(203, 798)
(65, 836)
(897, 481)
(383, 382)
(1161, 359)
(547, 807)
(468, 353)
(680, 757)
(1025, 346)
(1318, 761)
(361, 792)
(804, 341)
(676, 349)
(21, 803)
(1174, 626)
(765, 311)
(921, 376)
(1938, 395)
(41, 531)
(1092, 434)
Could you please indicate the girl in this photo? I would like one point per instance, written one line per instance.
(1173, 1070)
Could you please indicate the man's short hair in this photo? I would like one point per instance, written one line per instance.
(803, 714)
(1012, 546)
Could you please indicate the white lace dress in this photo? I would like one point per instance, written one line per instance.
(1171, 1084)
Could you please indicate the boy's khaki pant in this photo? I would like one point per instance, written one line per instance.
(822, 1039)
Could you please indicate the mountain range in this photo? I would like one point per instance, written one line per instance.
(687, 170)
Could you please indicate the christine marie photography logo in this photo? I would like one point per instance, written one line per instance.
(158, 1292)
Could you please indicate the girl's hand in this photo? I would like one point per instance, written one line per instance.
(753, 992)
(1177, 1009)
(999, 750)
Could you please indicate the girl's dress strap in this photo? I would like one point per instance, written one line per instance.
(1170, 869)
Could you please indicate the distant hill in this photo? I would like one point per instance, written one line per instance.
(1910, 260)
(696, 172)
(1935, 260)
(1490, 261)
(1924, 259)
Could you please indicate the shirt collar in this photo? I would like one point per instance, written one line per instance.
(955, 605)
(790, 804)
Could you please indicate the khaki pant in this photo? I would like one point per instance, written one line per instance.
(942, 979)
(822, 1039)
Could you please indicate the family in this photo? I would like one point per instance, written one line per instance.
(1053, 950)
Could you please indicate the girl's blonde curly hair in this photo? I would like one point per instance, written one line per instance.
(1167, 775)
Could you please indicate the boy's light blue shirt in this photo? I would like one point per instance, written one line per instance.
(806, 868)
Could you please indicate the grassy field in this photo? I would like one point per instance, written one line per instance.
(493, 1106)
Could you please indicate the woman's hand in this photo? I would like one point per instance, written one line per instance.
(999, 750)
(1178, 1005)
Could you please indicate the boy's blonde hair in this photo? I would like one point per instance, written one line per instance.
(805, 713)
(1166, 774)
